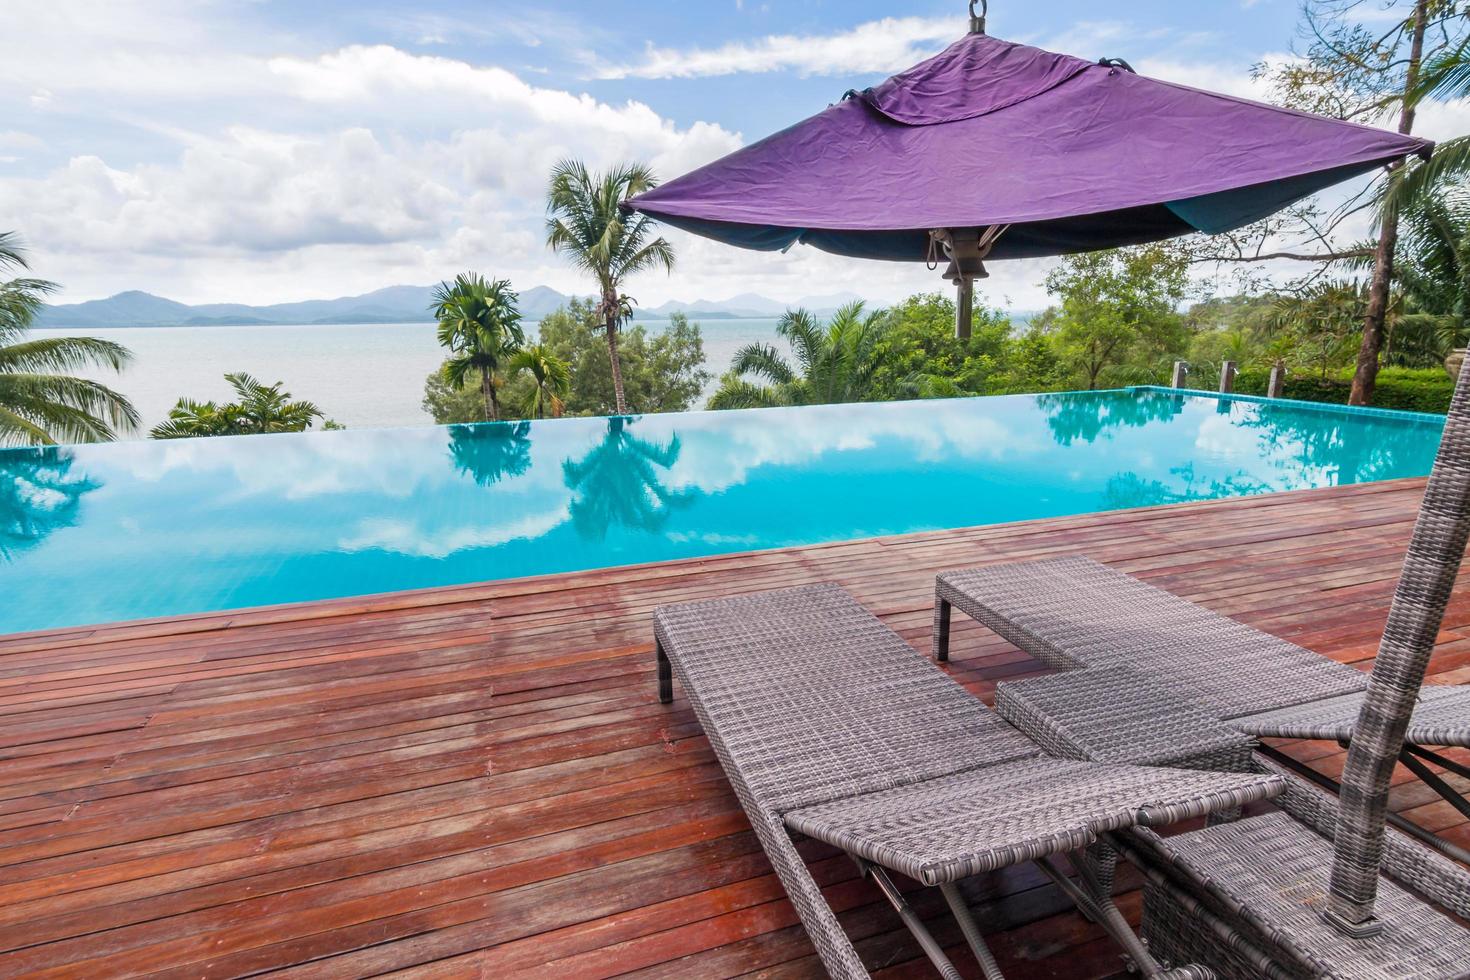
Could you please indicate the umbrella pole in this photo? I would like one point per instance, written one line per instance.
(964, 308)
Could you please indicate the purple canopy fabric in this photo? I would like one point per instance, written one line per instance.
(1072, 155)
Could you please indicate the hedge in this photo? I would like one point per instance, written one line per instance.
(1426, 390)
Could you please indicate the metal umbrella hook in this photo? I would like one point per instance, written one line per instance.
(977, 21)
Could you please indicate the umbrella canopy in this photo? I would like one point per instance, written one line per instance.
(999, 149)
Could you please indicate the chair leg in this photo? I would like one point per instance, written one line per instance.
(910, 918)
(961, 910)
(1096, 902)
(665, 674)
(941, 630)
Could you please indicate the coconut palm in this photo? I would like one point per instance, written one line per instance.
(260, 408)
(585, 223)
(833, 364)
(551, 380)
(38, 403)
(481, 326)
(1445, 77)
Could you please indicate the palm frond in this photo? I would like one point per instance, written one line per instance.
(64, 354)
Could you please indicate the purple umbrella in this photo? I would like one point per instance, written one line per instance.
(999, 150)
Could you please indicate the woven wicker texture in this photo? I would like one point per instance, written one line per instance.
(1072, 612)
(1116, 715)
(1441, 717)
(815, 699)
(1269, 875)
(807, 698)
(1406, 861)
(947, 829)
(1431, 565)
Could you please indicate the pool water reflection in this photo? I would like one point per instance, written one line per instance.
(109, 532)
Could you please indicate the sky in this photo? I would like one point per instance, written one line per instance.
(266, 151)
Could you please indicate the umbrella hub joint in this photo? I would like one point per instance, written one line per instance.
(966, 249)
(977, 21)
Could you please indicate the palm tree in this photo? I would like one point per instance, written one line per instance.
(1322, 319)
(481, 326)
(586, 223)
(1445, 77)
(550, 376)
(835, 364)
(260, 408)
(38, 404)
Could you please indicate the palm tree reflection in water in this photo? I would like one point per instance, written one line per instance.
(489, 452)
(618, 483)
(38, 495)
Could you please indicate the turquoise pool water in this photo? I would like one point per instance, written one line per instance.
(93, 534)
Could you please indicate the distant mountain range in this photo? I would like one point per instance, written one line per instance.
(394, 304)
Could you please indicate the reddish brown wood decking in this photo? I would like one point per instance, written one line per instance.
(479, 780)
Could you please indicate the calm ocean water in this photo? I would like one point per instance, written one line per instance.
(363, 376)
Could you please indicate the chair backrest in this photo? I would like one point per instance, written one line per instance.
(807, 697)
(1436, 550)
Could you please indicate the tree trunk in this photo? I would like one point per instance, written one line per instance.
(617, 366)
(1365, 373)
(487, 390)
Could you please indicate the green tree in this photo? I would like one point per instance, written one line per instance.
(259, 408)
(919, 355)
(39, 402)
(1119, 308)
(586, 223)
(481, 326)
(662, 372)
(551, 380)
(838, 363)
(1031, 364)
(1321, 321)
(1369, 70)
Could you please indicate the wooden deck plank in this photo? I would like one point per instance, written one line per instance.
(478, 780)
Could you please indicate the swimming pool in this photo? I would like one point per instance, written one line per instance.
(100, 533)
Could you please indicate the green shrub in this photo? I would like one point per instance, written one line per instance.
(1405, 389)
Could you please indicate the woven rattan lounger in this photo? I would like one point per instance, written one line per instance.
(829, 725)
(1073, 612)
(1314, 890)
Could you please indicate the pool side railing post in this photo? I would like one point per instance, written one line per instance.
(1227, 377)
(1277, 383)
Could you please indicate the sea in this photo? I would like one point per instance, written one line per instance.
(361, 375)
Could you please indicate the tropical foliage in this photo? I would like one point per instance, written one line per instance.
(480, 325)
(550, 380)
(833, 363)
(586, 223)
(662, 372)
(258, 408)
(41, 402)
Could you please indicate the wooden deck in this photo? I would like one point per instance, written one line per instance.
(480, 781)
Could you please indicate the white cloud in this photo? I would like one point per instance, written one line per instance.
(886, 45)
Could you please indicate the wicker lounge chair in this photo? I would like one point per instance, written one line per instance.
(829, 725)
(1315, 890)
(1074, 613)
